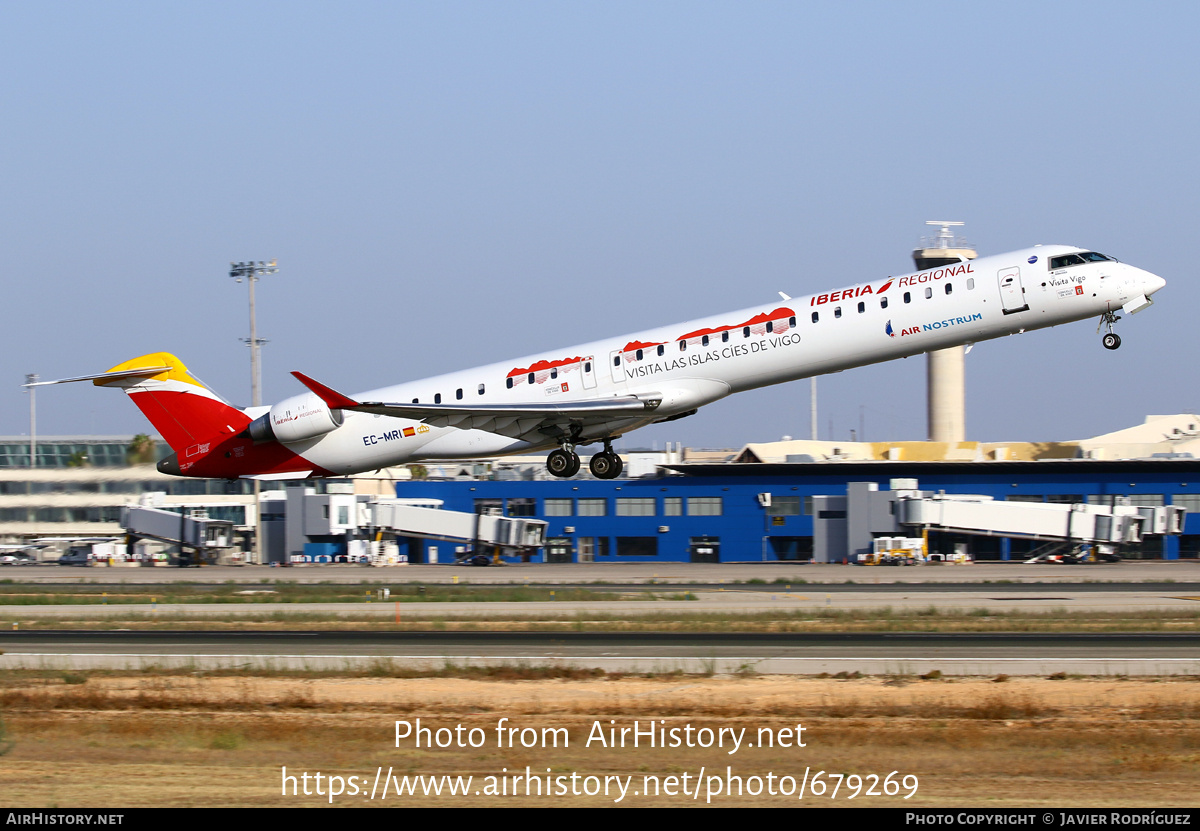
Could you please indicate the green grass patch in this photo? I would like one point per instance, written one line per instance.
(283, 593)
(676, 619)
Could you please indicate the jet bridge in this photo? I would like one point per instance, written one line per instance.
(457, 526)
(845, 526)
(341, 523)
(1096, 524)
(187, 528)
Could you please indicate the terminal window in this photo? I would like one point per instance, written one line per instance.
(704, 505)
(785, 506)
(560, 507)
(635, 506)
(1190, 502)
(522, 506)
(593, 507)
(637, 546)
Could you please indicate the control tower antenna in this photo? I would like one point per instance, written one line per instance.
(945, 368)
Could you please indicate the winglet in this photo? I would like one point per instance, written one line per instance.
(332, 398)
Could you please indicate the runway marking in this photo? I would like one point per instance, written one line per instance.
(1032, 598)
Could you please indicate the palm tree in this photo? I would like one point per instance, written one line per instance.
(142, 450)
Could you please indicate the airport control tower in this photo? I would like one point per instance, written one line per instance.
(945, 384)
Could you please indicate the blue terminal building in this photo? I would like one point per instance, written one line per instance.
(764, 512)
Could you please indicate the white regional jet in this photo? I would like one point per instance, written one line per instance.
(596, 392)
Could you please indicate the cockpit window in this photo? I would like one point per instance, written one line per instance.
(1079, 259)
(1066, 260)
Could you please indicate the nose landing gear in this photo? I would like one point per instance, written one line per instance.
(1111, 339)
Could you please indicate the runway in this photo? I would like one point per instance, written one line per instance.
(724, 589)
(1150, 654)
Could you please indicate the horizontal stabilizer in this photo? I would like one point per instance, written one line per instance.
(102, 377)
(183, 410)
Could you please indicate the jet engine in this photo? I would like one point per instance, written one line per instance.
(297, 418)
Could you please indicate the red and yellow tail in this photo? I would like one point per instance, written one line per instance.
(183, 410)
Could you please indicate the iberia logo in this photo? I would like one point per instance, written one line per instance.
(891, 333)
(885, 286)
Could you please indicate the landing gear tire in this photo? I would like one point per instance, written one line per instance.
(1112, 341)
(606, 465)
(562, 464)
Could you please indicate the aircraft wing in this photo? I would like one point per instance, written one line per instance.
(521, 421)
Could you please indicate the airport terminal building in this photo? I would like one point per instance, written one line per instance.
(771, 512)
(677, 511)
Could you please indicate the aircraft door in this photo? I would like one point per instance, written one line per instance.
(616, 361)
(1012, 293)
(588, 369)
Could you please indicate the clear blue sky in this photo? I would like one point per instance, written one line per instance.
(445, 184)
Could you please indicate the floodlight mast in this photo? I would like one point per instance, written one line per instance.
(251, 271)
(31, 380)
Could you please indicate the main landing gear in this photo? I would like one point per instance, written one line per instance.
(1111, 339)
(606, 464)
(564, 462)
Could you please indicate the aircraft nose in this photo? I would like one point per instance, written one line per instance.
(170, 465)
(1152, 282)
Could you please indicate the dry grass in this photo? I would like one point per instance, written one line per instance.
(130, 740)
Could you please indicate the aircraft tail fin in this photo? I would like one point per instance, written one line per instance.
(182, 409)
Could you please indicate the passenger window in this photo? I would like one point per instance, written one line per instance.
(704, 341)
(725, 336)
(617, 360)
(437, 399)
(949, 288)
(481, 389)
(587, 367)
(928, 292)
(746, 330)
(554, 372)
(416, 401)
(683, 345)
(507, 383)
(837, 312)
(639, 354)
(970, 284)
(816, 316)
(661, 349)
(770, 326)
(531, 376)
(792, 321)
(883, 302)
(862, 307)
(907, 297)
